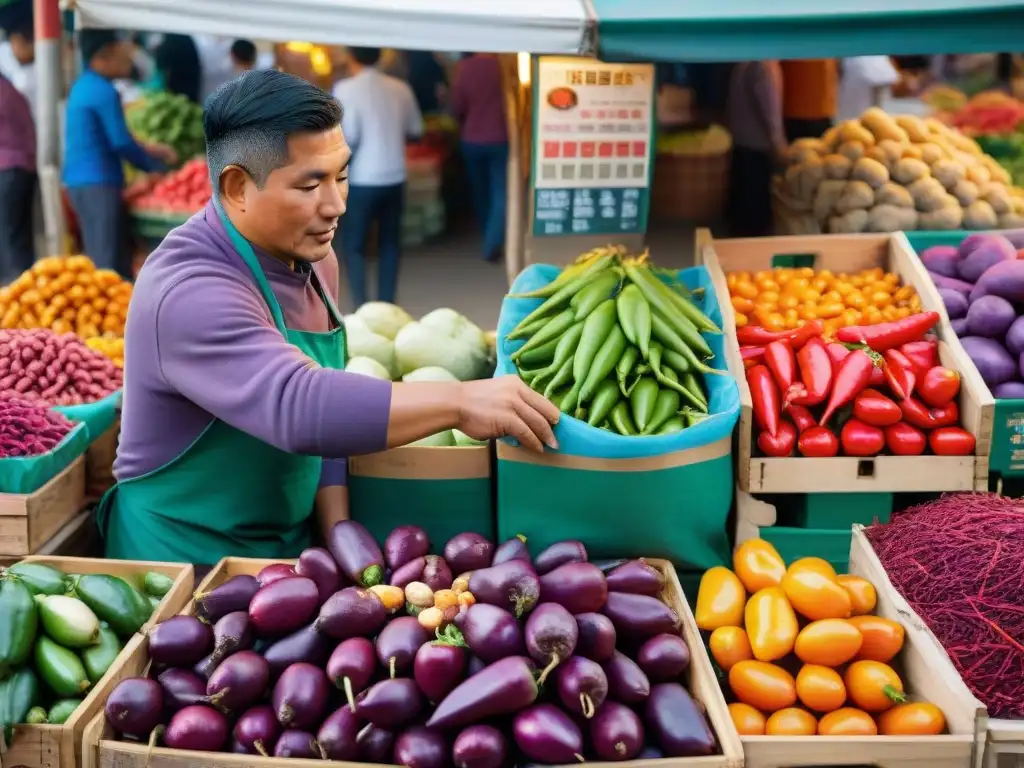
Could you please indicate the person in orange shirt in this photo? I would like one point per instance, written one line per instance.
(810, 90)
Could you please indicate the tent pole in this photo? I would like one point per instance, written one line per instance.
(514, 176)
(50, 85)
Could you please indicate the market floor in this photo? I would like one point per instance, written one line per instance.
(449, 273)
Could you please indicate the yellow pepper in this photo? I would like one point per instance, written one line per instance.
(758, 565)
(720, 599)
(771, 624)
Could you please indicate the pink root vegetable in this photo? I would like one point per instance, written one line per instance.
(54, 369)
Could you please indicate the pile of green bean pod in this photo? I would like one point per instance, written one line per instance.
(618, 344)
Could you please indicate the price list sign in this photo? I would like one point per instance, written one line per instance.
(592, 147)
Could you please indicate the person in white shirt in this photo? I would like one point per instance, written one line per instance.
(380, 115)
(866, 81)
(18, 60)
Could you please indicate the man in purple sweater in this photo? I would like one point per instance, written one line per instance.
(237, 414)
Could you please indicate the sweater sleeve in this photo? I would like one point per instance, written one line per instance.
(217, 347)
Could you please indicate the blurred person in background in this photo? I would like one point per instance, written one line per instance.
(17, 60)
(754, 118)
(380, 116)
(478, 104)
(97, 142)
(428, 80)
(177, 61)
(17, 181)
(865, 81)
(243, 56)
(810, 90)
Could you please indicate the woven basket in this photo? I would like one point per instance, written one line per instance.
(690, 187)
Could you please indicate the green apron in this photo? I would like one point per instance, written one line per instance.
(228, 493)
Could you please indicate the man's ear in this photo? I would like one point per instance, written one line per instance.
(233, 184)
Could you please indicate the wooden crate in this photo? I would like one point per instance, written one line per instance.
(99, 463)
(79, 538)
(102, 751)
(29, 520)
(60, 746)
(844, 474)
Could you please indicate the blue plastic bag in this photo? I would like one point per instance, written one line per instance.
(578, 438)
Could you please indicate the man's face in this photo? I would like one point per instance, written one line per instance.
(296, 213)
(116, 60)
(23, 48)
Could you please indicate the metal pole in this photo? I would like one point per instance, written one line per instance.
(49, 81)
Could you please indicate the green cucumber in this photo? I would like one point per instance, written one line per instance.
(19, 622)
(157, 584)
(18, 694)
(98, 658)
(40, 579)
(36, 716)
(154, 602)
(114, 601)
(60, 669)
(62, 710)
(68, 621)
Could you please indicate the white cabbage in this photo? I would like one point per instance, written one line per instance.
(383, 318)
(464, 440)
(456, 326)
(367, 366)
(422, 346)
(362, 342)
(430, 373)
(440, 440)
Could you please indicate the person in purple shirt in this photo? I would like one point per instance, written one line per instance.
(238, 415)
(17, 181)
(478, 104)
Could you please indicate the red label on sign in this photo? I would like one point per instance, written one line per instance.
(622, 149)
(550, 149)
(623, 114)
(605, 149)
(569, 148)
(636, 114)
(587, 149)
(639, 148)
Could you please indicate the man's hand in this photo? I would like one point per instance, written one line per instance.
(162, 152)
(506, 407)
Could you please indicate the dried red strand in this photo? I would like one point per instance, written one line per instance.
(959, 562)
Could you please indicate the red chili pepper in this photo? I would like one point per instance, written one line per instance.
(756, 336)
(889, 335)
(751, 353)
(764, 395)
(802, 418)
(874, 408)
(923, 355)
(781, 361)
(951, 441)
(837, 351)
(939, 386)
(919, 415)
(818, 443)
(860, 439)
(899, 374)
(815, 375)
(851, 379)
(877, 376)
(781, 444)
(905, 440)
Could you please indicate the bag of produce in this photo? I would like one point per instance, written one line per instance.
(595, 475)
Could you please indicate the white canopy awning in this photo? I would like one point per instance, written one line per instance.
(539, 26)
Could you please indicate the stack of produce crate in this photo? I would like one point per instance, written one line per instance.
(424, 215)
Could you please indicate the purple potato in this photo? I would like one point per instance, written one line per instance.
(375, 744)
(197, 728)
(639, 616)
(238, 682)
(180, 641)
(546, 734)
(351, 667)
(182, 688)
(405, 543)
(959, 326)
(419, 747)
(231, 633)
(991, 317)
(283, 606)
(480, 746)
(438, 668)
(596, 636)
(504, 687)
(513, 549)
(579, 587)
(550, 636)
(664, 658)
(408, 573)
(490, 632)
(352, 612)
(304, 645)
(337, 736)
(391, 704)
(257, 731)
(638, 577)
(991, 359)
(300, 696)
(235, 594)
(135, 707)
(357, 553)
(467, 552)
(616, 732)
(275, 572)
(1015, 337)
(298, 744)
(626, 681)
(582, 686)
(398, 643)
(437, 574)
(955, 303)
(317, 564)
(678, 724)
(558, 554)
(1009, 390)
(512, 585)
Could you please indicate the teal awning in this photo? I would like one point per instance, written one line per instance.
(744, 30)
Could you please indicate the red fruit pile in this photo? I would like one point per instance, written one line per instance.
(54, 369)
(184, 191)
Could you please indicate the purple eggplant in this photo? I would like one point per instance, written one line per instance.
(235, 594)
(639, 616)
(677, 722)
(475, 664)
(513, 549)
(626, 681)
(406, 574)
(558, 554)
(546, 734)
(298, 744)
(316, 563)
(238, 682)
(637, 577)
(275, 572)
(135, 707)
(182, 688)
(419, 747)
(438, 668)
(579, 587)
(237, 748)
(664, 658)
(351, 667)
(582, 686)
(512, 585)
(282, 606)
(550, 637)
(468, 552)
(597, 636)
(337, 736)
(437, 574)
(305, 644)
(300, 696)
(398, 643)
(504, 687)
(405, 543)
(480, 746)
(375, 744)
(180, 641)
(490, 632)
(390, 703)
(205, 666)
(357, 553)
(352, 612)
(197, 728)
(616, 732)
(232, 633)
(257, 731)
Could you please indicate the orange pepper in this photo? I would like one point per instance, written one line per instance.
(720, 599)
(828, 642)
(729, 646)
(758, 564)
(771, 624)
(814, 590)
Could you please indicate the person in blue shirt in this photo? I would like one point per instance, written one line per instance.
(97, 143)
